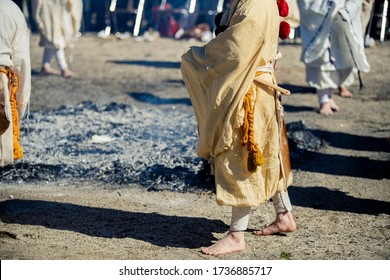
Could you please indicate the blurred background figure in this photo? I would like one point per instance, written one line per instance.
(15, 79)
(58, 22)
(332, 47)
(367, 13)
(293, 18)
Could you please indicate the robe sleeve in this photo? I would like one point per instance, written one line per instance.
(15, 49)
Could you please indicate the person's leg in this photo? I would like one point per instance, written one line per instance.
(327, 104)
(48, 54)
(234, 241)
(284, 221)
(61, 60)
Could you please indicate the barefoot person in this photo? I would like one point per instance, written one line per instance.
(240, 120)
(58, 22)
(15, 79)
(332, 47)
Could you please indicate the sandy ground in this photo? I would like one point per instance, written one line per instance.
(341, 194)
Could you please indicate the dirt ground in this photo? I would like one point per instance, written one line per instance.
(341, 194)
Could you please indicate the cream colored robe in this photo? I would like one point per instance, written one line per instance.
(15, 53)
(58, 21)
(217, 77)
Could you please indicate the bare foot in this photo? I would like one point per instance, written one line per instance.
(326, 109)
(333, 105)
(233, 242)
(67, 73)
(344, 92)
(284, 222)
(48, 70)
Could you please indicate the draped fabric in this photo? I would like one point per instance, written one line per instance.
(57, 21)
(14, 53)
(218, 76)
(332, 40)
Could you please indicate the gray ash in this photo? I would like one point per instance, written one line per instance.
(114, 143)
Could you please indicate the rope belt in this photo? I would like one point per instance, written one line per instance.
(255, 156)
(13, 85)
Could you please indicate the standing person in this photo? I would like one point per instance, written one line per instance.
(240, 121)
(58, 22)
(332, 47)
(367, 6)
(15, 79)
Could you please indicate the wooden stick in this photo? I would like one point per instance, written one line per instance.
(271, 85)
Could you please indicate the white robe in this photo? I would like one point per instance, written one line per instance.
(15, 53)
(58, 21)
(332, 41)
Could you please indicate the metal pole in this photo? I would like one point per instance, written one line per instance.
(220, 6)
(384, 20)
(138, 18)
(192, 7)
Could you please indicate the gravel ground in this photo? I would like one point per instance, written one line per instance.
(110, 168)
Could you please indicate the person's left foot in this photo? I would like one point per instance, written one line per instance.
(344, 92)
(284, 222)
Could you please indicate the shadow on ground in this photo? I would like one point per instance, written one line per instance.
(147, 63)
(354, 142)
(352, 166)
(335, 200)
(152, 99)
(155, 228)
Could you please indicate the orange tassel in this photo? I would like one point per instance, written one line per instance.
(13, 85)
(255, 157)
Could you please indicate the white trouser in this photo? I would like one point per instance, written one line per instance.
(324, 95)
(240, 214)
(59, 55)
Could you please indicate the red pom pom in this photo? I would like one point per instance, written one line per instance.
(283, 8)
(284, 30)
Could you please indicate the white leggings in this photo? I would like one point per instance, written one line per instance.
(59, 55)
(240, 214)
(324, 95)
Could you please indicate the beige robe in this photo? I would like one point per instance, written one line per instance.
(58, 21)
(14, 53)
(217, 77)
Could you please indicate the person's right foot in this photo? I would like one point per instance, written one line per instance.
(67, 73)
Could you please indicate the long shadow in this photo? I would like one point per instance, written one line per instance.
(353, 142)
(352, 166)
(160, 230)
(335, 200)
(150, 98)
(147, 63)
(295, 109)
(298, 89)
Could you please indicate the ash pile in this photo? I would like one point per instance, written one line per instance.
(121, 144)
(302, 140)
(115, 143)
